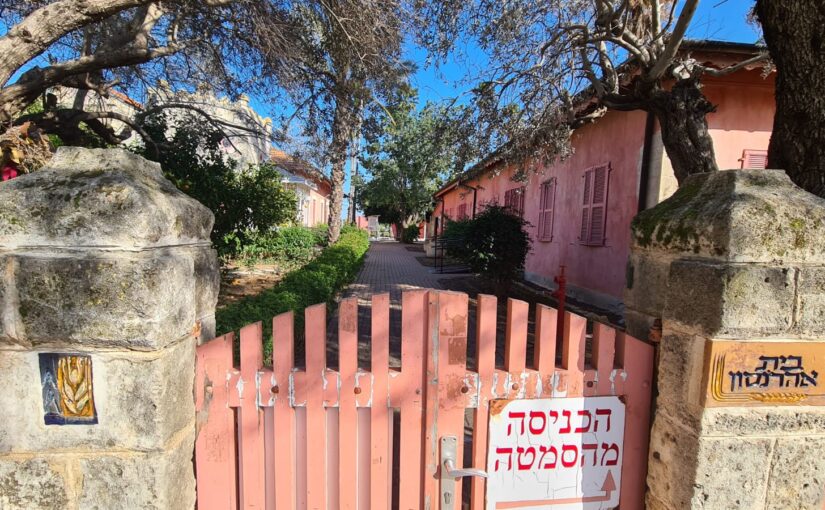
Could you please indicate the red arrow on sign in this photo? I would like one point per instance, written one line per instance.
(608, 487)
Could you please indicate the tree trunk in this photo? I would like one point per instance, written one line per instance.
(793, 32)
(342, 126)
(682, 114)
(352, 215)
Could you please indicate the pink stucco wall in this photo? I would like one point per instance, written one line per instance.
(743, 120)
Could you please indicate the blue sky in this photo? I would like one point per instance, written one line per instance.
(724, 20)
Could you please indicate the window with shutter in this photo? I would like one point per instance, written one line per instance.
(594, 205)
(753, 158)
(546, 206)
(462, 212)
(514, 200)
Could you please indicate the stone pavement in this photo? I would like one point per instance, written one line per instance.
(389, 267)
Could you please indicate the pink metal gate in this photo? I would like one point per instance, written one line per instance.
(282, 438)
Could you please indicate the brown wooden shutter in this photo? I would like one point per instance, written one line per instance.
(594, 205)
(585, 225)
(462, 212)
(546, 208)
(753, 158)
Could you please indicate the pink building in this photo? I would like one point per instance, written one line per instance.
(580, 209)
(311, 186)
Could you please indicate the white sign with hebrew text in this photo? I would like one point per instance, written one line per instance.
(558, 454)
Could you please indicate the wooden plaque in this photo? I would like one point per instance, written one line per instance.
(767, 373)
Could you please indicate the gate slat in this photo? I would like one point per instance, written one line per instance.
(638, 366)
(450, 313)
(413, 349)
(572, 356)
(544, 350)
(283, 360)
(515, 353)
(347, 412)
(316, 362)
(215, 444)
(253, 489)
(380, 465)
(486, 360)
(604, 349)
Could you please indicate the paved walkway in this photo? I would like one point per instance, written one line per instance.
(392, 267)
(389, 267)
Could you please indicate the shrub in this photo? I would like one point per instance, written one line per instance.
(455, 238)
(321, 233)
(316, 282)
(244, 201)
(495, 244)
(286, 245)
(409, 234)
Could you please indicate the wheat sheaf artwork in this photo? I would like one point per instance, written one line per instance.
(68, 394)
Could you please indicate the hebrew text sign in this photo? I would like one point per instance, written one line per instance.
(560, 454)
(765, 373)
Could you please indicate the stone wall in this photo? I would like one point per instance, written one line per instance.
(734, 265)
(106, 276)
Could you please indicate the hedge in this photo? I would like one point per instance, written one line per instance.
(316, 282)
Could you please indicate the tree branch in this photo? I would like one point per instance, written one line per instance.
(666, 57)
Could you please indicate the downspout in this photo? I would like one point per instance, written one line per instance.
(475, 195)
(647, 154)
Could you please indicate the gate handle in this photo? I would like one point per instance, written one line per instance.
(452, 472)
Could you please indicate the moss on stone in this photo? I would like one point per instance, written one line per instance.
(646, 223)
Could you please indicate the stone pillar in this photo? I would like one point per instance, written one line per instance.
(734, 264)
(107, 278)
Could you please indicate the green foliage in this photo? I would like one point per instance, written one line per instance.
(247, 203)
(407, 158)
(316, 282)
(287, 246)
(409, 234)
(495, 243)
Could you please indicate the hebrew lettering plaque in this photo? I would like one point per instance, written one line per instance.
(764, 373)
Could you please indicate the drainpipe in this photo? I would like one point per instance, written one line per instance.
(475, 195)
(647, 154)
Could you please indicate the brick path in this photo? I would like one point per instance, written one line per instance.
(389, 267)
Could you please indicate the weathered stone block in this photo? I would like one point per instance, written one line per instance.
(736, 215)
(142, 400)
(690, 471)
(647, 280)
(162, 481)
(797, 474)
(730, 473)
(26, 484)
(810, 319)
(671, 463)
(137, 301)
(763, 421)
(681, 361)
(99, 198)
(731, 300)
(207, 286)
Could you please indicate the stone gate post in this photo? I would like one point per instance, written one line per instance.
(107, 278)
(734, 264)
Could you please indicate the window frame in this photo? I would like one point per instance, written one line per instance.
(748, 153)
(589, 205)
(519, 192)
(544, 211)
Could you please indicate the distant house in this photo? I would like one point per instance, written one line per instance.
(310, 184)
(580, 209)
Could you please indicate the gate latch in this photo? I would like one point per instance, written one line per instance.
(449, 473)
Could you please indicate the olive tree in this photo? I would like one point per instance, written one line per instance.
(558, 64)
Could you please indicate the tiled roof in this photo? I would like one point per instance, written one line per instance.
(296, 166)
